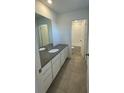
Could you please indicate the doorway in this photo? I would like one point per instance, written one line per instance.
(79, 45)
(79, 36)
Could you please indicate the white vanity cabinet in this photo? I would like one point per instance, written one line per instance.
(51, 69)
(66, 52)
(64, 55)
(56, 65)
(46, 76)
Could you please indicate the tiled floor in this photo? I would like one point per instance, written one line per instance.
(72, 76)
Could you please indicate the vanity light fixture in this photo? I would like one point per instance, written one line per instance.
(49, 1)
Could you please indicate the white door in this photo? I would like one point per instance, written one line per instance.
(76, 33)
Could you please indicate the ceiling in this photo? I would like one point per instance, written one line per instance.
(63, 6)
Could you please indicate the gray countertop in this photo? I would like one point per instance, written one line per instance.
(45, 56)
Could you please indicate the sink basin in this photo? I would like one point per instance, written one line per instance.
(53, 50)
(41, 49)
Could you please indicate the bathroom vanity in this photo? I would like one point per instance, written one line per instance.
(51, 57)
(51, 63)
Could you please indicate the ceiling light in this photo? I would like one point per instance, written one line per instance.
(49, 1)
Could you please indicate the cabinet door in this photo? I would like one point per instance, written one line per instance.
(66, 52)
(46, 67)
(62, 57)
(46, 77)
(56, 65)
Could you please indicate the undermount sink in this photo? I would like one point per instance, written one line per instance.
(53, 50)
(41, 49)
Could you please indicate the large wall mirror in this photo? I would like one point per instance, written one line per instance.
(44, 29)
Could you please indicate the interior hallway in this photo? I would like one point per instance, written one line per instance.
(72, 76)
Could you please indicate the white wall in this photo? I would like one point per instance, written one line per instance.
(64, 22)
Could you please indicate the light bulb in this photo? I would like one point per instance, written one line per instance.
(49, 1)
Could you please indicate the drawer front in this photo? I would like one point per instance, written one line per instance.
(46, 67)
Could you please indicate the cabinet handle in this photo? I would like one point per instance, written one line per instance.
(40, 70)
(87, 54)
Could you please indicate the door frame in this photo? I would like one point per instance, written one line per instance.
(86, 31)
